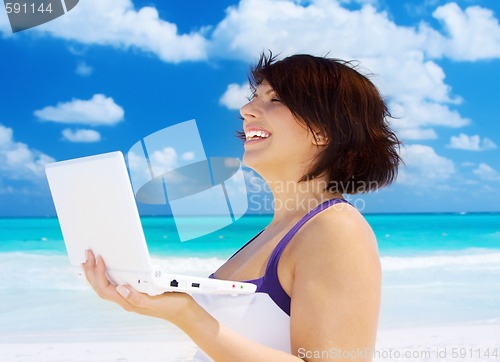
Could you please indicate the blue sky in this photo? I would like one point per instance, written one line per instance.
(111, 72)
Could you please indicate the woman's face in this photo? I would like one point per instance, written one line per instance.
(275, 140)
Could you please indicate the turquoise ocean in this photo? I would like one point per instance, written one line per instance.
(438, 269)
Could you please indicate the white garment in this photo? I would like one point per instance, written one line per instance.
(254, 316)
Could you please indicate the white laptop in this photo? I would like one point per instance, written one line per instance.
(96, 209)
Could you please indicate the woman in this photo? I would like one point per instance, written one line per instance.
(314, 129)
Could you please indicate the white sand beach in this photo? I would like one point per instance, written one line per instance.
(466, 342)
(116, 344)
(98, 352)
(461, 342)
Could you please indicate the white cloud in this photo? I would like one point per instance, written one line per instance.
(399, 56)
(235, 96)
(326, 26)
(232, 162)
(471, 143)
(408, 76)
(83, 69)
(117, 23)
(425, 113)
(472, 34)
(97, 111)
(467, 164)
(319, 26)
(420, 8)
(81, 135)
(413, 133)
(163, 161)
(136, 162)
(424, 167)
(414, 118)
(188, 156)
(486, 172)
(18, 161)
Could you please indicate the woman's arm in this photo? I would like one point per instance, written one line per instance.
(336, 288)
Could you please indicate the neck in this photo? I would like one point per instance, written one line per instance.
(293, 199)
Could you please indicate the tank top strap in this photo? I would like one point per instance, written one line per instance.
(272, 265)
(271, 283)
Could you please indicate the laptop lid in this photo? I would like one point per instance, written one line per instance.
(96, 208)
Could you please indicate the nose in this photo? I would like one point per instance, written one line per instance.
(249, 111)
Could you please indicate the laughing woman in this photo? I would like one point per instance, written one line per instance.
(314, 129)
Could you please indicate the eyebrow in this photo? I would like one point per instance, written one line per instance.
(266, 93)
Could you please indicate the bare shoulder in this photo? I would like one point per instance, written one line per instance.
(339, 231)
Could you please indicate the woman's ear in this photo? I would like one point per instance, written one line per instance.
(319, 139)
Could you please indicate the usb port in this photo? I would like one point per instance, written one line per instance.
(174, 283)
(195, 285)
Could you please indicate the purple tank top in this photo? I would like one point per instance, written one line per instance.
(270, 283)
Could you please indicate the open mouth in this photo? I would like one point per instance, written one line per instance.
(252, 136)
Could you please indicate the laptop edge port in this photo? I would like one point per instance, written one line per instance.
(174, 283)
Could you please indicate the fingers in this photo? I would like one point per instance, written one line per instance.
(167, 306)
(125, 293)
(134, 298)
(89, 263)
(88, 266)
(95, 272)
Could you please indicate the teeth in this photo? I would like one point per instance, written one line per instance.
(262, 134)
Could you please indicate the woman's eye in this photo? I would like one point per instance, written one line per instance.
(275, 100)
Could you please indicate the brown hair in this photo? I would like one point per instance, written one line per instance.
(328, 95)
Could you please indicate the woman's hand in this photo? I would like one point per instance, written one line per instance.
(171, 306)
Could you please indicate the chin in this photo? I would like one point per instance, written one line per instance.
(254, 162)
(247, 160)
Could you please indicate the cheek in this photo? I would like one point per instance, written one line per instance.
(286, 128)
(294, 144)
(295, 133)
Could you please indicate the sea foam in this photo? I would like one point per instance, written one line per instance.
(465, 259)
